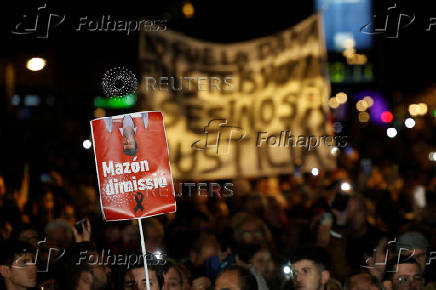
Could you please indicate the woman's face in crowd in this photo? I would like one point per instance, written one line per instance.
(172, 280)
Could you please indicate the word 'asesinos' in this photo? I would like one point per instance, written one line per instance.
(189, 83)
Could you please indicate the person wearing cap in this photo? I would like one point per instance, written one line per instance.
(414, 244)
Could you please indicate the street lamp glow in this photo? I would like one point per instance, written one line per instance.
(315, 171)
(87, 144)
(410, 123)
(188, 10)
(391, 132)
(35, 64)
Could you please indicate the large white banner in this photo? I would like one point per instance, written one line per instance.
(250, 109)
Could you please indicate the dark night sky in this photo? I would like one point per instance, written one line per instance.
(78, 60)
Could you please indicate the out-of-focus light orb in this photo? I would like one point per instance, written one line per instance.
(348, 43)
(349, 53)
(334, 151)
(315, 171)
(361, 106)
(188, 10)
(413, 110)
(345, 186)
(333, 103)
(341, 98)
(391, 132)
(364, 117)
(86, 144)
(158, 255)
(35, 64)
(409, 123)
(369, 101)
(338, 127)
(287, 270)
(386, 117)
(99, 113)
(432, 156)
(422, 109)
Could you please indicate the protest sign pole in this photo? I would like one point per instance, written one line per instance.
(144, 253)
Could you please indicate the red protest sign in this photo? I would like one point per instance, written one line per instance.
(133, 169)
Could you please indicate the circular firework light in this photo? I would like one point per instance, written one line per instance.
(118, 82)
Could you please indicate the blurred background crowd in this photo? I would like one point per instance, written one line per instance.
(367, 224)
(349, 222)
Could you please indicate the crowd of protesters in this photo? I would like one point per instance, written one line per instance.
(353, 228)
